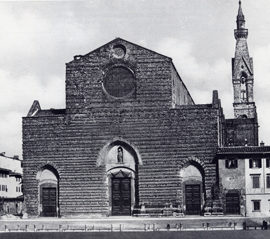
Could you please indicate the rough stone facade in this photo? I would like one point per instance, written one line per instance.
(241, 132)
(158, 122)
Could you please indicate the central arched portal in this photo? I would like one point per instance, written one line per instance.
(121, 162)
(121, 193)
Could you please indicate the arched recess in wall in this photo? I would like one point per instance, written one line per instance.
(243, 87)
(121, 161)
(48, 188)
(192, 179)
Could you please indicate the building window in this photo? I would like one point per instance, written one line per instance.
(268, 180)
(18, 189)
(255, 163)
(255, 180)
(119, 82)
(243, 95)
(3, 188)
(256, 205)
(3, 175)
(231, 163)
(268, 163)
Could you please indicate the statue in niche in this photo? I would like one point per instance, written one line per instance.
(120, 155)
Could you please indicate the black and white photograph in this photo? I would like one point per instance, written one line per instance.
(139, 119)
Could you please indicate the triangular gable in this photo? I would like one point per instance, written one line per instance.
(128, 42)
(121, 174)
(34, 109)
(237, 65)
(247, 65)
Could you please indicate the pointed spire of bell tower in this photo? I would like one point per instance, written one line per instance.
(240, 15)
(242, 71)
(240, 30)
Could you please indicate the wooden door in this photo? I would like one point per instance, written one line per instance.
(49, 202)
(232, 203)
(193, 199)
(121, 196)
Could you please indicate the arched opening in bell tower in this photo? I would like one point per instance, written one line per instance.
(243, 83)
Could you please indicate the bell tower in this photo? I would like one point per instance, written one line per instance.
(242, 72)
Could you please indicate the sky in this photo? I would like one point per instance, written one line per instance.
(37, 38)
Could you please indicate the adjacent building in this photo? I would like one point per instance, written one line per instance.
(245, 179)
(258, 183)
(10, 184)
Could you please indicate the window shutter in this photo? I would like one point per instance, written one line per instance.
(256, 181)
(250, 163)
(236, 163)
(268, 163)
(259, 163)
(268, 181)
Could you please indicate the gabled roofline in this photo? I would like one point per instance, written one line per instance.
(34, 108)
(247, 65)
(121, 39)
(182, 81)
(154, 52)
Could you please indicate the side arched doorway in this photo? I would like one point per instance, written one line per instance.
(192, 188)
(48, 179)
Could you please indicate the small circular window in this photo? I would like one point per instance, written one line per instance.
(119, 51)
(119, 82)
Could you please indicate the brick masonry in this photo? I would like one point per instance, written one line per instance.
(240, 132)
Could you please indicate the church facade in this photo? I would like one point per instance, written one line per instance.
(131, 140)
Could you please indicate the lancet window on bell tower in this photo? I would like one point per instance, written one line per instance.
(243, 83)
